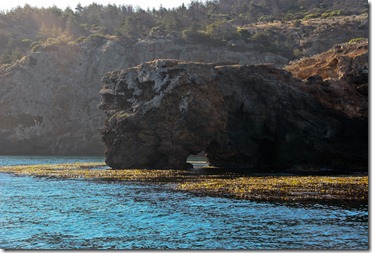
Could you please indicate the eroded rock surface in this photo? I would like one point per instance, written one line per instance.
(245, 117)
(337, 78)
(49, 99)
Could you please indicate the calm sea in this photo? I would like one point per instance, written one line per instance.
(42, 213)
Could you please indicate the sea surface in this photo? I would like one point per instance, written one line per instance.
(44, 213)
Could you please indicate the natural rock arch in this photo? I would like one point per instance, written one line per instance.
(245, 117)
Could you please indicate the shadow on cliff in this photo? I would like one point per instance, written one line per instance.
(246, 118)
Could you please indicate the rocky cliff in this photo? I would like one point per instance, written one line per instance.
(49, 99)
(338, 78)
(245, 117)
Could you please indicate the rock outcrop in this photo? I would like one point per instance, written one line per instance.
(49, 99)
(337, 78)
(242, 117)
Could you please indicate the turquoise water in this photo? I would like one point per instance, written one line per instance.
(42, 213)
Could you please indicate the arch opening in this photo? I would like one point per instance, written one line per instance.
(198, 161)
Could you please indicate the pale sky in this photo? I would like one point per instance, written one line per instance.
(6, 5)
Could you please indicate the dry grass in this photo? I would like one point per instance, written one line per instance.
(316, 22)
(214, 182)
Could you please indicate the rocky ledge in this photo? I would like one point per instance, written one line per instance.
(338, 78)
(242, 117)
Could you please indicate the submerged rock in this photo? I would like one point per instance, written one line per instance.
(243, 117)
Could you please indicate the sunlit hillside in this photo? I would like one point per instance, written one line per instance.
(220, 23)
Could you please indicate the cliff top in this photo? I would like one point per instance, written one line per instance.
(338, 78)
(333, 63)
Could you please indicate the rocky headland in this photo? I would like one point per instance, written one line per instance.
(242, 117)
(49, 98)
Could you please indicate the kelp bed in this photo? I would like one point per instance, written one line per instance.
(216, 182)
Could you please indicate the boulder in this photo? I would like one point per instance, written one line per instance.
(242, 117)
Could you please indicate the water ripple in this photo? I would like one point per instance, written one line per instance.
(38, 213)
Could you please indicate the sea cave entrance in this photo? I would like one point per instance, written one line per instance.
(198, 161)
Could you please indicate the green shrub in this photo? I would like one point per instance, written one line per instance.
(260, 37)
(193, 35)
(356, 40)
(201, 37)
(80, 40)
(35, 45)
(297, 23)
(332, 14)
(245, 34)
(97, 39)
(293, 15)
(311, 15)
(13, 55)
(266, 18)
(297, 53)
(52, 41)
(26, 42)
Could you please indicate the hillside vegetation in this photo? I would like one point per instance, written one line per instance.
(281, 26)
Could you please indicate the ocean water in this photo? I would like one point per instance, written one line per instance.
(43, 213)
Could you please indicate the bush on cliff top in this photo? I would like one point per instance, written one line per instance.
(212, 22)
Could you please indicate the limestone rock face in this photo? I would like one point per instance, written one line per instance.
(242, 117)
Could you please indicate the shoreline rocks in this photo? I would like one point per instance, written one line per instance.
(242, 117)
